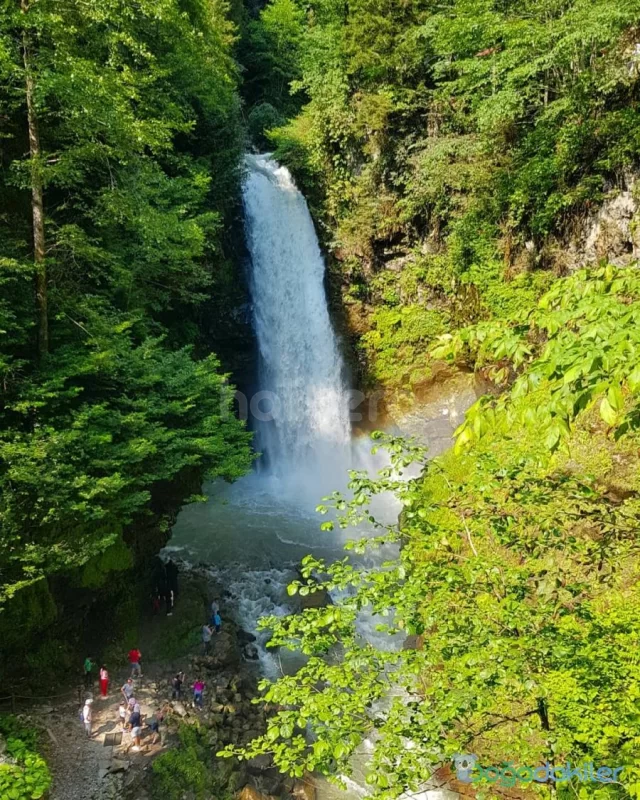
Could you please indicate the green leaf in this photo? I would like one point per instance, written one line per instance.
(607, 412)
(615, 398)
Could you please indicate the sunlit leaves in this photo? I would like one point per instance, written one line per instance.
(582, 346)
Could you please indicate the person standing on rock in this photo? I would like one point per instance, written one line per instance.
(154, 726)
(87, 716)
(217, 622)
(127, 690)
(198, 690)
(104, 681)
(135, 724)
(215, 608)
(88, 672)
(176, 686)
(207, 633)
(134, 660)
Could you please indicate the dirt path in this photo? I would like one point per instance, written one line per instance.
(90, 769)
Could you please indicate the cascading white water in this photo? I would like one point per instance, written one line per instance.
(301, 413)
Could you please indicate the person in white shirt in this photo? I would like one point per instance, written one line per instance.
(87, 715)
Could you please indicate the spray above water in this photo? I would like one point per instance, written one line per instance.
(302, 420)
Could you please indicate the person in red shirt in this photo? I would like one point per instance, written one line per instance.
(134, 659)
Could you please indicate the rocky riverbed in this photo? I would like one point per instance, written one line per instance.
(103, 769)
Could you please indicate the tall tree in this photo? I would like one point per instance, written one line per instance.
(37, 202)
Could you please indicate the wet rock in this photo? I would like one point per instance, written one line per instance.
(244, 637)
(318, 599)
(250, 652)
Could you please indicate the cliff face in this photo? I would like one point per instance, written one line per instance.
(612, 233)
(459, 159)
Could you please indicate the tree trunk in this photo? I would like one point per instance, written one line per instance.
(36, 197)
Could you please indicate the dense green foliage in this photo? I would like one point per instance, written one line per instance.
(25, 776)
(188, 768)
(518, 572)
(129, 118)
(448, 148)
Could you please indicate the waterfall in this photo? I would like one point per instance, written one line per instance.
(300, 413)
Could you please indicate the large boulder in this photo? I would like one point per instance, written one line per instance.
(259, 764)
(250, 652)
(318, 599)
(250, 793)
(179, 708)
(304, 789)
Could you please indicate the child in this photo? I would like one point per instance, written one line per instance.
(217, 622)
(122, 715)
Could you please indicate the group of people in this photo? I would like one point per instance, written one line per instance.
(129, 712)
(198, 686)
(213, 626)
(130, 715)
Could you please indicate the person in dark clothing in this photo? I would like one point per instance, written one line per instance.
(176, 686)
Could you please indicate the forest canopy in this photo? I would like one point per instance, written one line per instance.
(121, 145)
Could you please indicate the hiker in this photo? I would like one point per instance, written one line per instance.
(215, 608)
(176, 686)
(122, 716)
(198, 689)
(134, 659)
(87, 716)
(171, 571)
(104, 681)
(128, 690)
(217, 622)
(154, 726)
(88, 668)
(207, 633)
(135, 725)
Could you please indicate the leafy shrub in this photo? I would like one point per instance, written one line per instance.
(29, 777)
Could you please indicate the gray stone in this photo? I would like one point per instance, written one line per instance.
(118, 765)
(259, 763)
(179, 708)
(251, 652)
